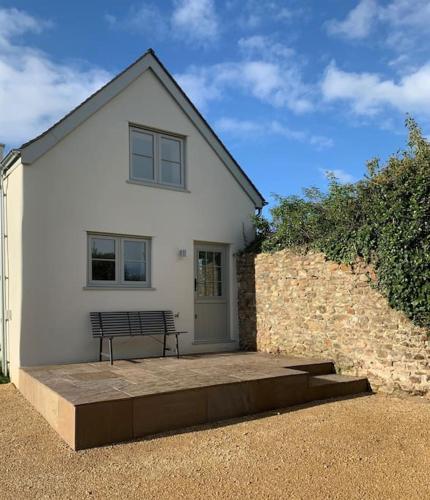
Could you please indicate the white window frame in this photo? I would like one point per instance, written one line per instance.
(157, 136)
(119, 282)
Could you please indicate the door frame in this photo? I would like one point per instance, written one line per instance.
(225, 247)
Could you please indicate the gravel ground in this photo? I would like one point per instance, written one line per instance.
(366, 447)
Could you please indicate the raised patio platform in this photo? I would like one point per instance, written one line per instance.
(93, 404)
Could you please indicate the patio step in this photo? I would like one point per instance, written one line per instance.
(333, 386)
(314, 367)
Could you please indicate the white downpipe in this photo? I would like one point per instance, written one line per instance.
(5, 346)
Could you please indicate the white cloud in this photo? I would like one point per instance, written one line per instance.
(111, 20)
(145, 19)
(341, 175)
(195, 20)
(321, 141)
(288, 133)
(277, 83)
(239, 128)
(198, 87)
(358, 23)
(255, 13)
(34, 90)
(285, 14)
(14, 22)
(248, 129)
(401, 22)
(369, 93)
(415, 14)
(264, 47)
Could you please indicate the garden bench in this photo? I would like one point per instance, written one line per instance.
(132, 324)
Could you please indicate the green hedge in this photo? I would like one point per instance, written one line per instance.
(384, 218)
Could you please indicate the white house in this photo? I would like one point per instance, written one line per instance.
(115, 207)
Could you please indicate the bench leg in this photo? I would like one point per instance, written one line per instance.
(164, 345)
(100, 348)
(177, 346)
(110, 351)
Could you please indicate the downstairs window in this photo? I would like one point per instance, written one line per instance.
(118, 261)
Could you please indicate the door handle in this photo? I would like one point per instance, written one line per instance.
(195, 284)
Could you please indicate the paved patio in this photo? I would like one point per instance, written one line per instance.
(91, 404)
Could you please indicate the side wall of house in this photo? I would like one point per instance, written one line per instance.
(81, 185)
(13, 205)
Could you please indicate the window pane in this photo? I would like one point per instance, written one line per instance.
(143, 167)
(134, 271)
(102, 248)
(171, 172)
(218, 258)
(142, 144)
(103, 270)
(170, 150)
(134, 250)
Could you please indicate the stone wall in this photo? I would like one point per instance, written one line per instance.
(304, 305)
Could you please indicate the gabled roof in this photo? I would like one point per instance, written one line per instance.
(34, 149)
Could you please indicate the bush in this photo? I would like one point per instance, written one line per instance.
(384, 218)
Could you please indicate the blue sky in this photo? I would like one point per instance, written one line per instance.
(293, 88)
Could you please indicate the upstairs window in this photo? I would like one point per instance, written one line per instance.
(156, 158)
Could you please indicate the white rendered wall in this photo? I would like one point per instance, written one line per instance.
(81, 185)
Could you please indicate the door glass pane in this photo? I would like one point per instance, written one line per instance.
(134, 271)
(142, 144)
(170, 150)
(102, 248)
(209, 289)
(103, 270)
(170, 172)
(143, 167)
(209, 274)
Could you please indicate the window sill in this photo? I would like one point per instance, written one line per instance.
(117, 288)
(159, 186)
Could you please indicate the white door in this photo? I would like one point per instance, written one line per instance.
(211, 293)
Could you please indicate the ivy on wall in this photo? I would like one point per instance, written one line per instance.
(383, 218)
